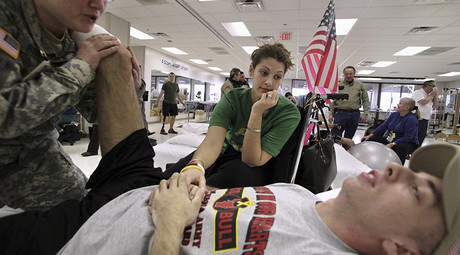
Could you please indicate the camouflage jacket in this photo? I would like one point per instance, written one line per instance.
(31, 102)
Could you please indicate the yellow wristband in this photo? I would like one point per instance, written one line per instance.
(192, 166)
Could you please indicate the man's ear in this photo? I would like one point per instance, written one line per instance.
(251, 71)
(391, 247)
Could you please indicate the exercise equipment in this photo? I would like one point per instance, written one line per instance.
(454, 135)
(441, 135)
(375, 155)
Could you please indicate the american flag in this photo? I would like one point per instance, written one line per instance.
(319, 62)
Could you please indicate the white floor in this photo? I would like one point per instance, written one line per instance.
(89, 164)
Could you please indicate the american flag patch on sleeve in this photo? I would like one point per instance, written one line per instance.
(9, 44)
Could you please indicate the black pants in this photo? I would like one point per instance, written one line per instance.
(401, 149)
(129, 165)
(229, 171)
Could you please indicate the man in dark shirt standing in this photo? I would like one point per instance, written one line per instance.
(171, 90)
(345, 113)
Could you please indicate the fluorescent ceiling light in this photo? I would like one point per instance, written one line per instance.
(343, 26)
(199, 61)
(226, 74)
(139, 34)
(250, 49)
(215, 68)
(369, 79)
(366, 71)
(383, 63)
(450, 74)
(236, 28)
(426, 79)
(174, 50)
(410, 51)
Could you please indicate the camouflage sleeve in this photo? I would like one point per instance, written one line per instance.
(26, 103)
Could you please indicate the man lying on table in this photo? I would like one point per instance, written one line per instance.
(395, 211)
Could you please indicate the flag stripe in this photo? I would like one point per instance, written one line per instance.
(319, 60)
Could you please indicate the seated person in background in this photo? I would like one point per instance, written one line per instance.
(395, 211)
(399, 131)
(248, 128)
(291, 98)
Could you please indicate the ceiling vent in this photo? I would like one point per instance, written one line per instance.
(249, 5)
(161, 34)
(434, 51)
(422, 30)
(219, 50)
(265, 39)
(366, 63)
(152, 2)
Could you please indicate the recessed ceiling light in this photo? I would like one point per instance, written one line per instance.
(226, 74)
(383, 64)
(343, 26)
(236, 28)
(199, 61)
(450, 74)
(369, 79)
(139, 34)
(215, 68)
(174, 50)
(410, 51)
(250, 49)
(366, 71)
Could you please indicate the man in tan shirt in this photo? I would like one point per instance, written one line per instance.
(345, 113)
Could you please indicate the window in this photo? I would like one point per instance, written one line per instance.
(184, 87)
(299, 87)
(199, 91)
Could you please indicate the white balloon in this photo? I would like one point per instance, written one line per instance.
(375, 155)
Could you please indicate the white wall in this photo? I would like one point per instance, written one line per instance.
(150, 59)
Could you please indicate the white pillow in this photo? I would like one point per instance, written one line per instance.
(189, 139)
(195, 128)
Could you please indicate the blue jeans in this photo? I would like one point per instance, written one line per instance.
(349, 122)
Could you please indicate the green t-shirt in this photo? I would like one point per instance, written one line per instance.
(233, 111)
(171, 90)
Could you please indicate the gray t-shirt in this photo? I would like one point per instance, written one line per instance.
(275, 219)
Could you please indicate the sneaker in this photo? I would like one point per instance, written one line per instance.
(163, 132)
(171, 131)
(87, 154)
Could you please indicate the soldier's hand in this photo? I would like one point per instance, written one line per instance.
(96, 47)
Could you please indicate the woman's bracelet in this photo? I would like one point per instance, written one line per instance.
(198, 160)
(254, 130)
(192, 166)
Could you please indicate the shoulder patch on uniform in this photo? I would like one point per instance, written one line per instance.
(9, 44)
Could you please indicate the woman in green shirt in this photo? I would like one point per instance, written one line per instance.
(247, 129)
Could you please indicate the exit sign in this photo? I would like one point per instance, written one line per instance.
(285, 36)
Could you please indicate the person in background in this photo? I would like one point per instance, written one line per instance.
(243, 81)
(345, 113)
(93, 145)
(232, 82)
(426, 99)
(171, 91)
(247, 129)
(43, 73)
(291, 98)
(400, 131)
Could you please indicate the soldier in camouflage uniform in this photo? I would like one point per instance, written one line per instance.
(35, 172)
